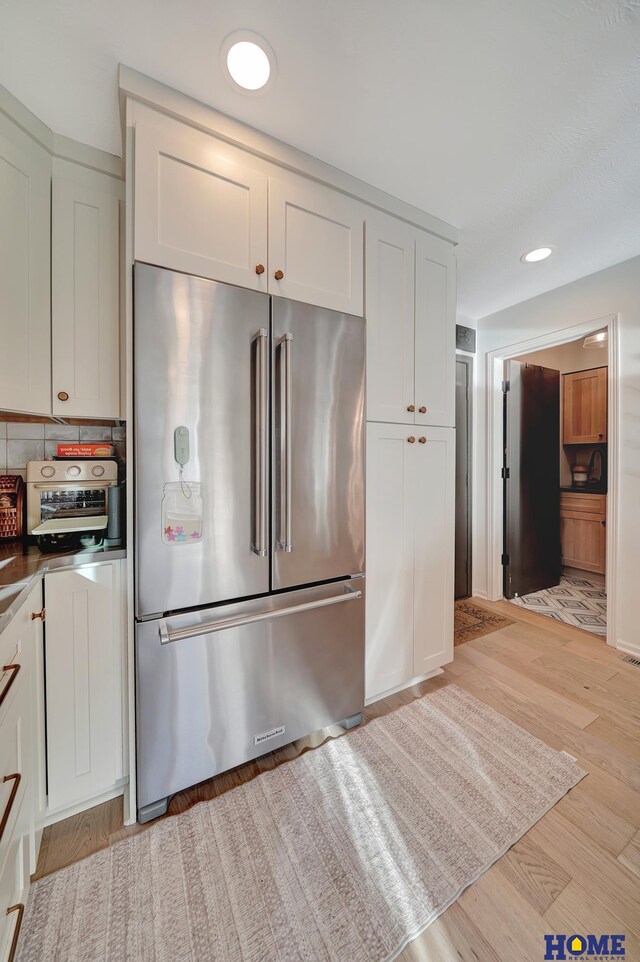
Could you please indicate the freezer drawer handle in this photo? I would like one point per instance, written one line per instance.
(259, 542)
(284, 540)
(166, 636)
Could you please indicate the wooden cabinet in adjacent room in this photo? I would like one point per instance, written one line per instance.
(585, 407)
(583, 531)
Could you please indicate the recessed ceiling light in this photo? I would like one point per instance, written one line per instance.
(247, 61)
(539, 254)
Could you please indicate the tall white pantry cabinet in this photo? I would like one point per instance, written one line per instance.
(216, 199)
(410, 310)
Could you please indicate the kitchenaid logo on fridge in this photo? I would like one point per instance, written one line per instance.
(265, 736)
(595, 948)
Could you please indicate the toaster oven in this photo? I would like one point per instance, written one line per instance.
(68, 501)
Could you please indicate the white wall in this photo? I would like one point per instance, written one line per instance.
(615, 290)
(568, 357)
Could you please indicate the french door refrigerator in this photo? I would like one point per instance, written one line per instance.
(249, 555)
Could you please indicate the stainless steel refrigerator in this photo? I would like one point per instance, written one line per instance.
(249, 555)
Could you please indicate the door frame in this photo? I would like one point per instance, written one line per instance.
(495, 522)
(468, 360)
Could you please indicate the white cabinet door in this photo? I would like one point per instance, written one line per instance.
(390, 537)
(25, 325)
(390, 271)
(85, 292)
(433, 501)
(435, 332)
(200, 205)
(83, 639)
(316, 242)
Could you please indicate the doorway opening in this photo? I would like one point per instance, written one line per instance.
(557, 432)
(464, 393)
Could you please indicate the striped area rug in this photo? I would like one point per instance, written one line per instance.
(344, 854)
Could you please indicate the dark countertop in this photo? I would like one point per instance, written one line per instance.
(22, 565)
(589, 488)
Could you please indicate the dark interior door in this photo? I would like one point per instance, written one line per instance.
(532, 555)
(463, 490)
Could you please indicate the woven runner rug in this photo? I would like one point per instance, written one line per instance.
(346, 853)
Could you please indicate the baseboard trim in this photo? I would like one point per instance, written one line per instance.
(628, 648)
(50, 818)
(477, 593)
(405, 684)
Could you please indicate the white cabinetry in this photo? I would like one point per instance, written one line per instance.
(18, 851)
(316, 242)
(25, 334)
(208, 208)
(200, 205)
(84, 659)
(85, 305)
(410, 545)
(410, 307)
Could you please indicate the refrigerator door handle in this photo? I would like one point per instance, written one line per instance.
(166, 636)
(283, 542)
(260, 508)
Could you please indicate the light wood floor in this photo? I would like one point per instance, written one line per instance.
(577, 869)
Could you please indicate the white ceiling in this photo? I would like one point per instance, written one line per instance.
(515, 120)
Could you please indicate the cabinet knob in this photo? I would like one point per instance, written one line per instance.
(38, 615)
(601, 435)
(259, 268)
(278, 275)
(423, 409)
(422, 440)
(63, 396)
(411, 408)
(411, 439)
(604, 524)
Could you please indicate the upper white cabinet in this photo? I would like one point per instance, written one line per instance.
(410, 552)
(410, 309)
(200, 206)
(83, 693)
(205, 207)
(390, 283)
(316, 244)
(435, 327)
(25, 325)
(85, 307)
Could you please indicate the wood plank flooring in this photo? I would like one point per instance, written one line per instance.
(576, 870)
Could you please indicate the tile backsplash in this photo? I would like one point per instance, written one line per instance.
(29, 441)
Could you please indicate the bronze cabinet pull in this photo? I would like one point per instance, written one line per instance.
(422, 409)
(422, 440)
(19, 908)
(15, 669)
(278, 275)
(63, 396)
(259, 268)
(411, 408)
(38, 614)
(16, 777)
(411, 439)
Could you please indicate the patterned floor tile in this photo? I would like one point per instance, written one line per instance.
(575, 601)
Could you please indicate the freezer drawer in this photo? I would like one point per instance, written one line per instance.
(221, 686)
